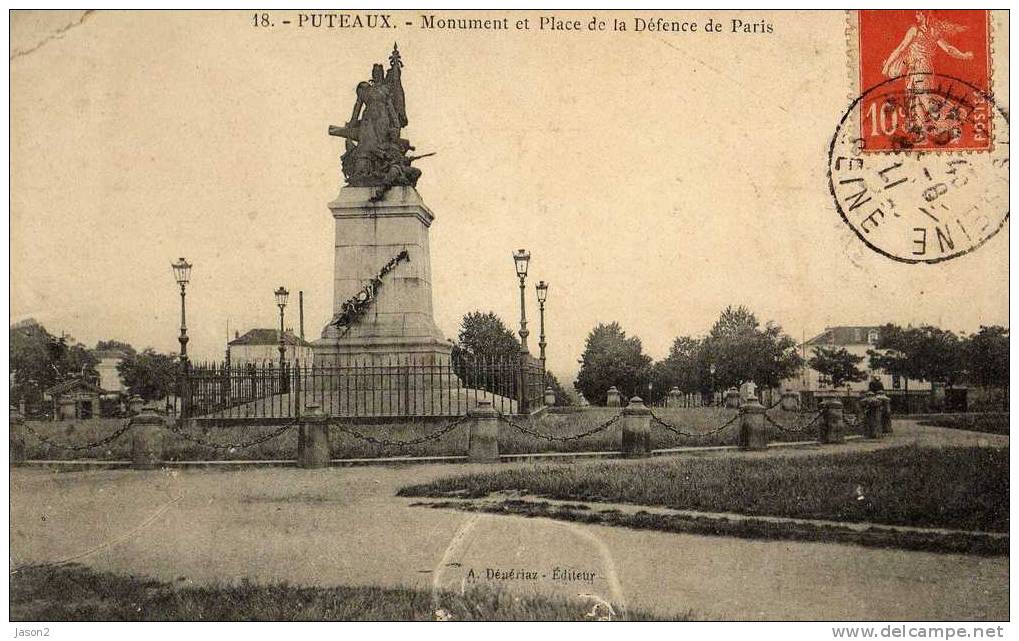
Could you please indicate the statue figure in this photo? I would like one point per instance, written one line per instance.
(375, 154)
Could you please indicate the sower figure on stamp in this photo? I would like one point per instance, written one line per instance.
(915, 57)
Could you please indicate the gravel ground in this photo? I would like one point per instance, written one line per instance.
(345, 526)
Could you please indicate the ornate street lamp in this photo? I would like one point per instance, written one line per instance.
(542, 289)
(711, 383)
(182, 274)
(520, 259)
(281, 301)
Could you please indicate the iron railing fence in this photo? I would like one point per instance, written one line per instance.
(394, 386)
(681, 400)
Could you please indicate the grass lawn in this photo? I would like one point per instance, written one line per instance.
(511, 441)
(991, 422)
(958, 488)
(76, 593)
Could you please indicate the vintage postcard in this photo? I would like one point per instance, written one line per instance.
(516, 315)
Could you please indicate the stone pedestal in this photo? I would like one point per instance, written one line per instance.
(830, 427)
(675, 398)
(872, 427)
(732, 398)
(147, 438)
(135, 404)
(373, 228)
(636, 428)
(886, 412)
(790, 401)
(17, 439)
(613, 398)
(483, 446)
(549, 397)
(313, 450)
(752, 434)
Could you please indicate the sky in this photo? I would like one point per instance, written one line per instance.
(655, 177)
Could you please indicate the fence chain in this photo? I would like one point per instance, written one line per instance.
(794, 430)
(680, 432)
(433, 436)
(230, 446)
(550, 437)
(78, 448)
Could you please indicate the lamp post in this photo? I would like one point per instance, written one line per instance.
(520, 259)
(542, 289)
(711, 369)
(281, 302)
(182, 274)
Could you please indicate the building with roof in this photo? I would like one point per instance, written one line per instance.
(75, 398)
(258, 346)
(857, 340)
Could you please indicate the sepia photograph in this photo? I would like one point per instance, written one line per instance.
(589, 315)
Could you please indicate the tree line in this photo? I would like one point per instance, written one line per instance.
(737, 348)
(39, 360)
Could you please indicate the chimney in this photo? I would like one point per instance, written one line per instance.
(300, 304)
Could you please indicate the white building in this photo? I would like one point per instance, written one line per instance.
(262, 346)
(857, 340)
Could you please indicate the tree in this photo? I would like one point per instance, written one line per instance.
(149, 374)
(893, 351)
(39, 360)
(837, 365)
(940, 355)
(985, 354)
(685, 367)
(741, 350)
(612, 359)
(117, 346)
(924, 353)
(485, 334)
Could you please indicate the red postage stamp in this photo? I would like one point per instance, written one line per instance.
(925, 78)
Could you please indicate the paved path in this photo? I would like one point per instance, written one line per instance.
(345, 526)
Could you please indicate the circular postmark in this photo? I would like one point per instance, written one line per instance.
(918, 168)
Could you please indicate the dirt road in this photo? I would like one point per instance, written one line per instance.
(346, 526)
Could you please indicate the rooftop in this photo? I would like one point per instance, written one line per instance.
(845, 335)
(70, 384)
(109, 353)
(268, 337)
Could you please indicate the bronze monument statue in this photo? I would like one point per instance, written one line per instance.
(376, 155)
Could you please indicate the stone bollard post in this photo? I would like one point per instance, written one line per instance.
(830, 428)
(790, 401)
(675, 398)
(313, 450)
(636, 433)
(549, 396)
(135, 405)
(18, 451)
(886, 412)
(147, 438)
(483, 446)
(732, 398)
(872, 427)
(613, 398)
(752, 435)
